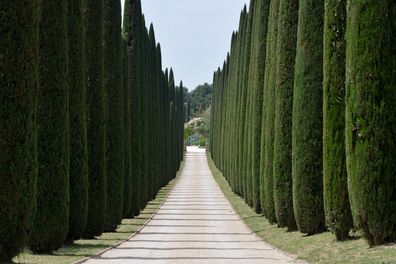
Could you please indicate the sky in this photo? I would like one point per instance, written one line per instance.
(195, 35)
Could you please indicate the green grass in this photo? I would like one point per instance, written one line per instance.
(86, 248)
(321, 248)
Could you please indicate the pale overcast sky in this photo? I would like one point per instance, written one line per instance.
(195, 35)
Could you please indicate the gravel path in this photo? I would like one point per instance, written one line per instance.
(196, 224)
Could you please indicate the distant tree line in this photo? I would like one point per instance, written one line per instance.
(304, 111)
(198, 100)
(91, 127)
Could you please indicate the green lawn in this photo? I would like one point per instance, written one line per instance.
(86, 248)
(321, 248)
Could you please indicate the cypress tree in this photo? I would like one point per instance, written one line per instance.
(229, 110)
(95, 118)
(336, 200)
(371, 117)
(233, 101)
(161, 119)
(235, 84)
(146, 173)
(241, 102)
(307, 120)
(267, 139)
(18, 132)
(246, 170)
(151, 107)
(167, 125)
(78, 123)
(132, 99)
(128, 201)
(221, 118)
(50, 225)
(114, 113)
(282, 163)
(260, 32)
(172, 121)
(236, 88)
(143, 83)
(136, 135)
(181, 124)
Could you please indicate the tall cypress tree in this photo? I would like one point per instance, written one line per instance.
(307, 119)
(233, 101)
(336, 201)
(114, 113)
(235, 81)
(172, 120)
(167, 124)
(150, 110)
(78, 123)
(371, 116)
(145, 91)
(95, 118)
(127, 126)
(129, 183)
(286, 54)
(50, 225)
(180, 124)
(18, 132)
(132, 99)
(246, 169)
(162, 118)
(242, 101)
(261, 28)
(267, 143)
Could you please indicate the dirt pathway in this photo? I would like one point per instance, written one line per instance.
(196, 224)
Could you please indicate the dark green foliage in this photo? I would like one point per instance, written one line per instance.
(180, 124)
(336, 201)
(132, 104)
(279, 119)
(267, 138)
(172, 121)
(238, 104)
(232, 130)
(90, 125)
(50, 225)
(145, 96)
(199, 99)
(18, 132)
(242, 83)
(246, 162)
(128, 202)
(282, 163)
(260, 32)
(95, 118)
(78, 123)
(307, 120)
(152, 149)
(371, 117)
(154, 140)
(114, 113)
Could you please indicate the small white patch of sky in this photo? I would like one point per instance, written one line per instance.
(195, 35)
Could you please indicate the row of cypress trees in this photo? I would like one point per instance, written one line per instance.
(303, 115)
(90, 124)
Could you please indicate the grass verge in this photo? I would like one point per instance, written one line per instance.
(321, 248)
(86, 248)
